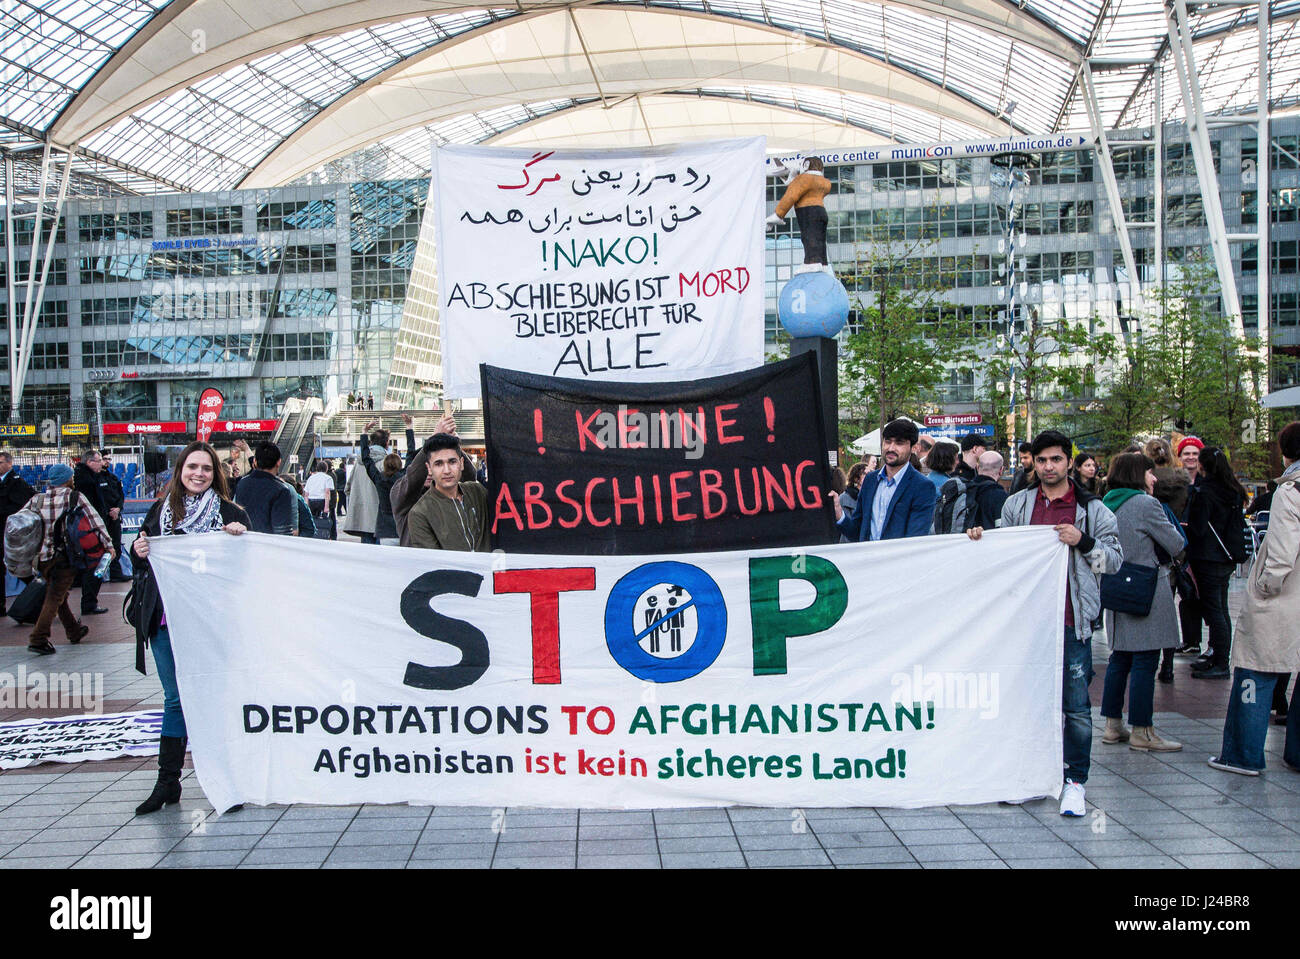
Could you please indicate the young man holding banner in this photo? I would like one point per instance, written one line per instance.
(896, 502)
(451, 514)
(1084, 524)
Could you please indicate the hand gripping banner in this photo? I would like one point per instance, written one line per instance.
(728, 462)
(766, 677)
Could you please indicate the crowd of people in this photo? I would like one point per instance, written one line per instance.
(1154, 539)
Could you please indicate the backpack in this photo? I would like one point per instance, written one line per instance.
(24, 534)
(75, 537)
(950, 510)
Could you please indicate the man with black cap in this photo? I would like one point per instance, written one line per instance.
(114, 497)
(973, 446)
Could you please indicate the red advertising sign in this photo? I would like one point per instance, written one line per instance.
(210, 404)
(247, 426)
(137, 429)
(955, 419)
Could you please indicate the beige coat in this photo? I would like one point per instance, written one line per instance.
(1268, 634)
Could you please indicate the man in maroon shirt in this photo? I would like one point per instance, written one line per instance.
(1084, 524)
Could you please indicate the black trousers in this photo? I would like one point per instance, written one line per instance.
(90, 584)
(115, 533)
(812, 231)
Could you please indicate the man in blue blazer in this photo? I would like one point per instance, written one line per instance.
(896, 501)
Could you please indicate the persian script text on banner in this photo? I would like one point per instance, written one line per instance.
(768, 677)
(629, 265)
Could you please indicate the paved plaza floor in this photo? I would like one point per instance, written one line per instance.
(1144, 810)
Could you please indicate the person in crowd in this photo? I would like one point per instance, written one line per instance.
(370, 401)
(895, 502)
(1267, 649)
(872, 461)
(305, 523)
(452, 513)
(985, 496)
(973, 446)
(849, 498)
(340, 474)
(195, 501)
(943, 460)
(839, 480)
(1215, 544)
(15, 492)
(1189, 454)
(269, 504)
(411, 485)
(52, 562)
(319, 490)
(1170, 488)
(87, 481)
(1148, 538)
(1024, 476)
(924, 444)
(364, 512)
(114, 497)
(383, 477)
(1083, 523)
(1262, 502)
(1084, 472)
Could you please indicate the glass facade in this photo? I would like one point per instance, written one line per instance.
(318, 290)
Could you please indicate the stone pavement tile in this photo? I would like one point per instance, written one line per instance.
(297, 857)
(618, 831)
(698, 844)
(869, 856)
(616, 817)
(26, 822)
(831, 826)
(1132, 817)
(146, 860)
(384, 823)
(951, 853)
(543, 850)
(287, 840)
(787, 857)
(1200, 846)
(449, 864)
(1076, 862)
(1158, 832)
(305, 827)
(540, 818)
(318, 812)
(1117, 847)
(332, 863)
(1283, 860)
(191, 860)
(1035, 833)
(113, 847)
(1135, 862)
(882, 865)
(1267, 828)
(681, 816)
(968, 864)
(252, 813)
(147, 829)
(77, 847)
(763, 827)
(703, 860)
(1258, 844)
(645, 861)
(934, 837)
(684, 830)
(61, 833)
(395, 811)
(740, 814)
(376, 854)
(231, 826)
(454, 850)
(1032, 850)
(803, 840)
(535, 862)
(860, 840)
(919, 819)
(371, 837)
(39, 862)
(201, 843)
(1221, 861)
(480, 835)
(516, 834)
(623, 847)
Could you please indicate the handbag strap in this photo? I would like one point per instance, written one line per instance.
(1220, 540)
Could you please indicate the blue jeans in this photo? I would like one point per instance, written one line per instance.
(173, 719)
(1246, 724)
(1140, 671)
(1077, 707)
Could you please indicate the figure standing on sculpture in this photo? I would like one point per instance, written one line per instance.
(806, 193)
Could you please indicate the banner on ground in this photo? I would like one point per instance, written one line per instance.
(727, 462)
(846, 675)
(632, 265)
(76, 739)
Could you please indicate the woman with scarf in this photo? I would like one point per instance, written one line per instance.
(195, 501)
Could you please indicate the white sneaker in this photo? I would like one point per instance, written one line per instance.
(1072, 799)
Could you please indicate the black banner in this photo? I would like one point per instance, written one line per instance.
(729, 462)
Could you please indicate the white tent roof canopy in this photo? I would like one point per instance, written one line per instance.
(219, 93)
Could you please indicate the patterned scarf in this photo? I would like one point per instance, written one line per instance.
(202, 514)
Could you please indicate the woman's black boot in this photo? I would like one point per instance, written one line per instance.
(171, 758)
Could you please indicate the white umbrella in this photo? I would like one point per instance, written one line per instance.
(1287, 397)
(870, 444)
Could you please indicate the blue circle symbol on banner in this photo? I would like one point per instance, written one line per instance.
(625, 632)
(813, 304)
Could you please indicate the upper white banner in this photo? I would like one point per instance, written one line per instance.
(885, 152)
(901, 673)
(635, 265)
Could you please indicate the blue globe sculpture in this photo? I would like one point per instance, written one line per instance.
(813, 304)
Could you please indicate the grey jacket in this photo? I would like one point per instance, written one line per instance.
(1143, 524)
(1102, 555)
